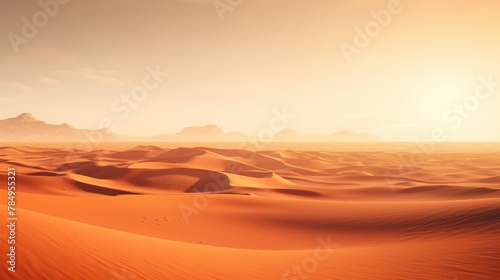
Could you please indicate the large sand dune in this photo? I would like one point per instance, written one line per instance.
(151, 212)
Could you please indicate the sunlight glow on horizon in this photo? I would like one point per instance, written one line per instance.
(427, 60)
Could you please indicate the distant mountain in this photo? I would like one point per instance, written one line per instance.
(210, 129)
(26, 128)
(208, 133)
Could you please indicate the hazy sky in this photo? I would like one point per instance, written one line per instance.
(233, 65)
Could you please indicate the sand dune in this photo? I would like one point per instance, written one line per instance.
(150, 212)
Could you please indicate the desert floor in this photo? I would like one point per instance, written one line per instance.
(372, 211)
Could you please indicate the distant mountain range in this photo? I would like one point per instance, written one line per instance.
(26, 128)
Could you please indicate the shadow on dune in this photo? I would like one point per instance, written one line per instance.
(100, 190)
(298, 192)
(91, 169)
(179, 155)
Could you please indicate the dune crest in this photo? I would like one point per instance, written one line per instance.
(154, 212)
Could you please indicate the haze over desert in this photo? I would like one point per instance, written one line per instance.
(250, 140)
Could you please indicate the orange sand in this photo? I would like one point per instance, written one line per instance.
(204, 213)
